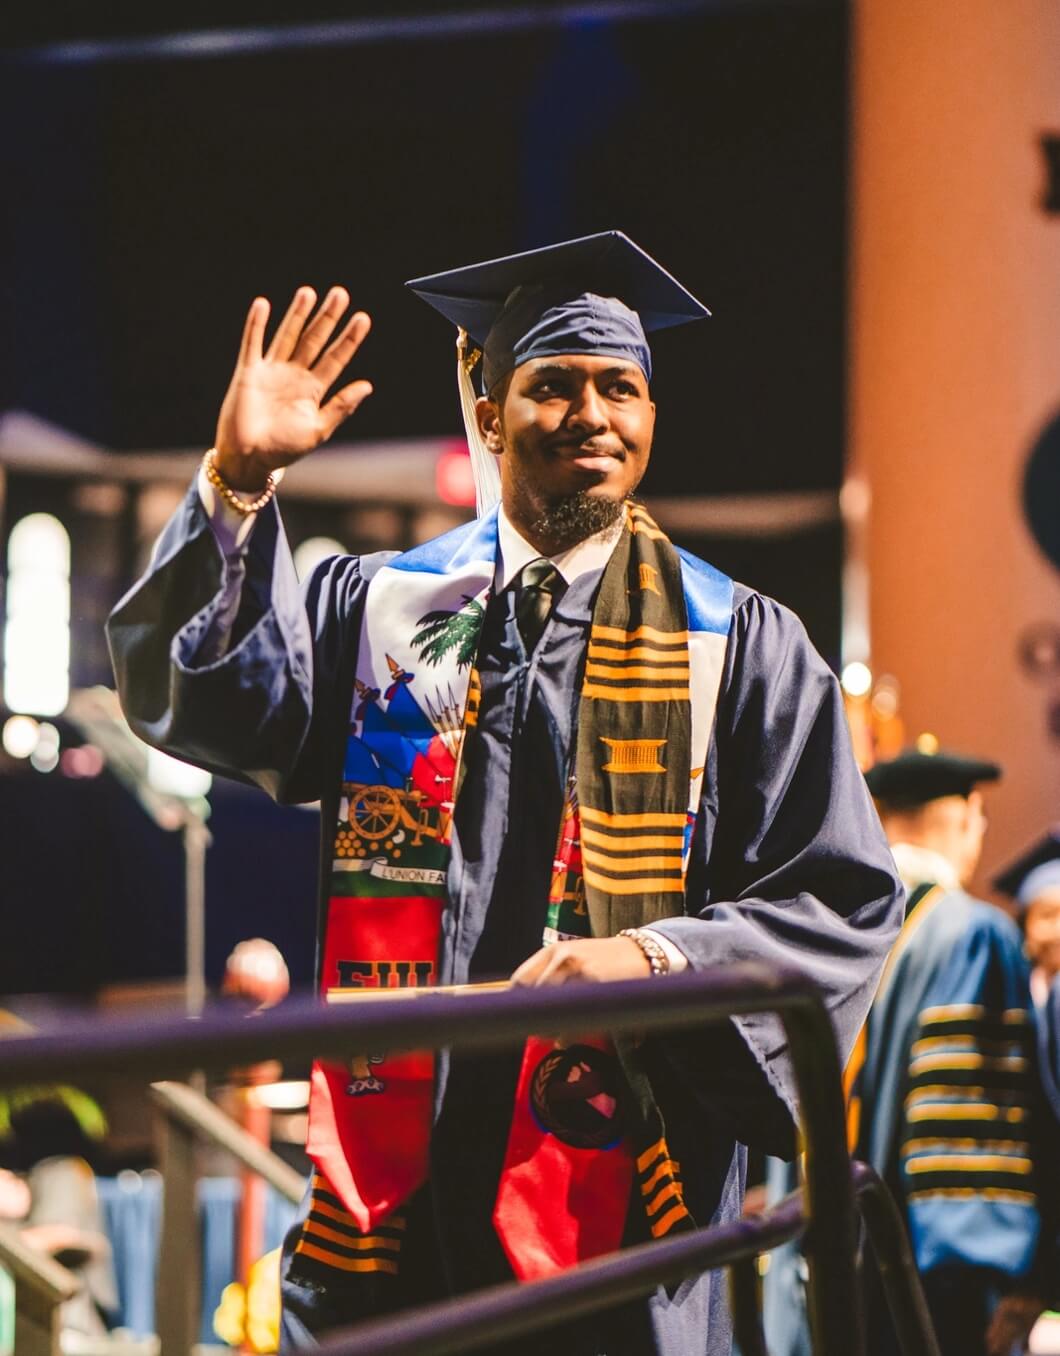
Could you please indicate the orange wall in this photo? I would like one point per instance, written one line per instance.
(955, 367)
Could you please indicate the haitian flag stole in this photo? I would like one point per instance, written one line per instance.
(370, 1120)
(653, 670)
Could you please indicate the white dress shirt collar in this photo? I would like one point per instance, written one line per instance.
(514, 551)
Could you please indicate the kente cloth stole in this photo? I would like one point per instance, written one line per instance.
(585, 1122)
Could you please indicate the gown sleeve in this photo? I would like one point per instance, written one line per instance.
(970, 1148)
(789, 864)
(266, 706)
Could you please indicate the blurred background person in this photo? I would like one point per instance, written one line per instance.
(942, 1085)
(50, 1137)
(1033, 884)
(945, 1101)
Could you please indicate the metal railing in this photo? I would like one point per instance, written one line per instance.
(42, 1286)
(222, 1040)
(188, 1118)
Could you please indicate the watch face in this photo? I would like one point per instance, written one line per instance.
(574, 1094)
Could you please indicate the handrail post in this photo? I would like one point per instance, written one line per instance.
(41, 1287)
(836, 1320)
(37, 1324)
(894, 1260)
(186, 1106)
(745, 1303)
(178, 1285)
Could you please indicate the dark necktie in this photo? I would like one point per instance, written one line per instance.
(539, 585)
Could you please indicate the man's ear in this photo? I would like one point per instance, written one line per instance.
(488, 415)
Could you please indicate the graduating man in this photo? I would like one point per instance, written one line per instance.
(946, 1098)
(547, 745)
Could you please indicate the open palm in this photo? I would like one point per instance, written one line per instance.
(275, 409)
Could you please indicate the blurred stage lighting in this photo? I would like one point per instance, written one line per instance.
(45, 757)
(856, 679)
(37, 629)
(19, 736)
(453, 479)
(87, 761)
(885, 697)
(313, 552)
(291, 1096)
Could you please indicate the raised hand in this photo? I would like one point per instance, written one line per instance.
(274, 411)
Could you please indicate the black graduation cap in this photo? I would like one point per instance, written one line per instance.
(598, 294)
(1034, 871)
(916, 776)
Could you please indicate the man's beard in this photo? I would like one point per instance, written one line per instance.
(565, 522)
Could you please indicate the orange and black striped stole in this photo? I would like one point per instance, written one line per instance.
(634, 753)
(634, 770)
(643, 665)
(659, 1177)
(331, 1242)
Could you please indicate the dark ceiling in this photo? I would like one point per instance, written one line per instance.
(147, 200)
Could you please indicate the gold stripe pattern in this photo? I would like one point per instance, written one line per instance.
(636, 885)
(660, 1185)
(661, 1227)
(665, 661)
(952, 1012)
(915, 1146)
(474, 700)
(661, 1197)
(675, 656)
(611, 820)
(960, 1060)
(330, 1236)
(333, 1259)
(622, 672)
(648, 1157)
(334, 1212)
(606, 862)
(961, 1043)
(366, 1243)
(983, 1193)
(600, 692)
(960, 1111)
(641, 522)
(624, 844)
(969, 1163)
(616, 633)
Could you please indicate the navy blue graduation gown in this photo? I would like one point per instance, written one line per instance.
(947, 1109)
(789, 863)
(949, 1089)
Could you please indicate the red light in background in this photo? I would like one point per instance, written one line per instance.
(86, 761)
(452, 476)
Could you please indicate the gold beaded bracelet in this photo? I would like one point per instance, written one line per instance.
(654, 953)
(213, 475)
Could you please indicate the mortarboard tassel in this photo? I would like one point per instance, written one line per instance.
(484, 468)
